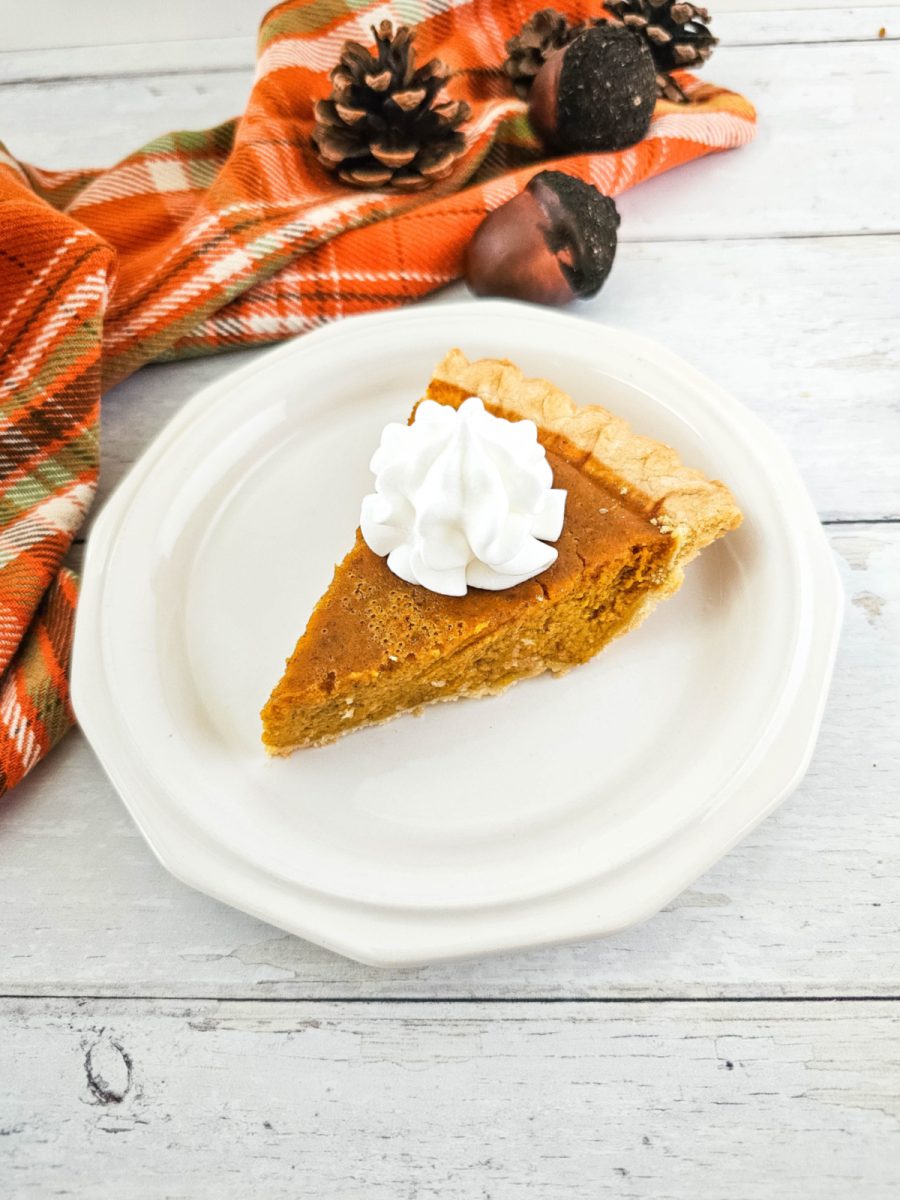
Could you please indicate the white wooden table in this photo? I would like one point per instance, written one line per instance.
(745, 1042)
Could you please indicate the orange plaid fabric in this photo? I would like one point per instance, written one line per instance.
(230, 237)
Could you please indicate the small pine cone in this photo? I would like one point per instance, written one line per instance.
(676, 33)
(387, 123)
(547, 31)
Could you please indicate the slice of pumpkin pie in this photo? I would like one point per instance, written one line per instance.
(511, 532)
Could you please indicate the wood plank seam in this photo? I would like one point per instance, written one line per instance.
(512, 998)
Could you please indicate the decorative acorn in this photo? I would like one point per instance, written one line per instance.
(553, 243)
(598, 93)
(676, 33)
(387, 124)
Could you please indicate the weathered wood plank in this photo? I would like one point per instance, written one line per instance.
(74, 63)
(809, 904)
(809, 172)
(213, 50)
(771, 24)
(803, 331)
(95, 21)
(792, 180)
(375, 1102)
(82, 123)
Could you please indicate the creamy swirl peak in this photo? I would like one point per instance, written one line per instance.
(462, 499)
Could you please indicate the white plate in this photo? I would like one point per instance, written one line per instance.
(562, 809)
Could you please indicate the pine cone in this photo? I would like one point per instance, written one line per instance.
(676, 32)
(547, 31)
(386, 124)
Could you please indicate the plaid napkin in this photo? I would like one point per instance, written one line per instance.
(232, 237)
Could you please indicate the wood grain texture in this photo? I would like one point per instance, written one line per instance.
(213, 50)
(808, 904)
(803, 331)
(823, 162)
(775, 25)
(450, 1102)
(130, 59)
(55, 23)
(813, 168)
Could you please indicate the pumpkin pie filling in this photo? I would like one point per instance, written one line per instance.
(376, 646)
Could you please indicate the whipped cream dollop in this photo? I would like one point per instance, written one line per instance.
(462, 499)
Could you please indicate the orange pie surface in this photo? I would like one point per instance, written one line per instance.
(376, 646)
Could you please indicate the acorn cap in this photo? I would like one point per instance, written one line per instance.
(581, 228)
(596, 94)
